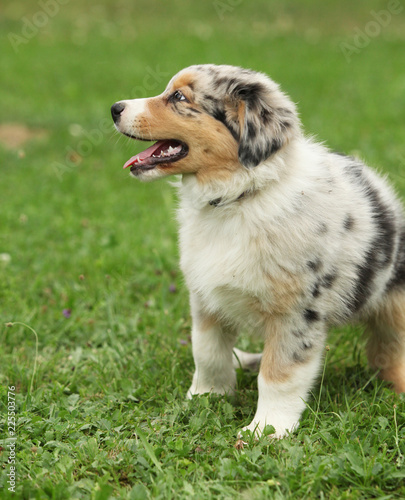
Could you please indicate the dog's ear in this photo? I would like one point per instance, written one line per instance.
(261, 118)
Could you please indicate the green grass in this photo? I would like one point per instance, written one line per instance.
(90, 260)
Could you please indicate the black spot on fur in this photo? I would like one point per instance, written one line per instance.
(251, 131)
(208, 98)
(380, 252)
(216, 202)
(310, 315)
(212, 70)
(316, 291)
(315, 265)
(355, 170)
(328, 280)
(189, 112)
(217, 111)
(276, 144)
(220, 81)
(398, 277)
(254, 148)
(285, 112)
(301, 355)
(384, 218)
(266, 116)
(325, 281)
(285, 125)
(343, 155)
(231, 83)
(348, 223)
(250, 157)
(219, 114)
(249, 92)
(298, 358)
(323, 228)
(366, 274)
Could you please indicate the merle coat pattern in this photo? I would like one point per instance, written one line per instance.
(277, 235)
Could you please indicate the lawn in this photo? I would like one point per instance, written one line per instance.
(94, 316)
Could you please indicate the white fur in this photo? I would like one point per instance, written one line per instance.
(133, 109)
(301, 240)
(281, 404)
(212, 351)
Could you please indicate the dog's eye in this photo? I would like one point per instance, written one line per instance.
(178, 96)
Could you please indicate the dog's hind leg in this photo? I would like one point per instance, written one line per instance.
(386, 342)
(246, 360)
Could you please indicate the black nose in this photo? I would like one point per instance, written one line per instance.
(116, 110)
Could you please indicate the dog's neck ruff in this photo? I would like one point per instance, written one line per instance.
(243, 185)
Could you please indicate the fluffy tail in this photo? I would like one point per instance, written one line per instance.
(246, 360)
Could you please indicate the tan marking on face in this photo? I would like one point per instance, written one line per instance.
(182, 81)
(213, 152)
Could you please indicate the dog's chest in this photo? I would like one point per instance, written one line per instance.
(217, 255)
(235, 267)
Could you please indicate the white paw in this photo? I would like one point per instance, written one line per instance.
(212, 385)
(257, 428)
(195, 391)
(199, 390)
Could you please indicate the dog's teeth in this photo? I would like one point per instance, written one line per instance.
(168, 152)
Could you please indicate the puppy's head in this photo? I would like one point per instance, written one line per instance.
(210, 121)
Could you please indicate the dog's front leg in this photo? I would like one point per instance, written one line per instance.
(212, 350)
(290, 364)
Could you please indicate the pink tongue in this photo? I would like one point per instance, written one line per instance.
(145, 154)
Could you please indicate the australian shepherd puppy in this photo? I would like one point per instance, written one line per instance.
(278, 235)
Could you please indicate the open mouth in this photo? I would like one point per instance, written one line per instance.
(161, 153)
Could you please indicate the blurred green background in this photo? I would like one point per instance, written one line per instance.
(88, 256)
